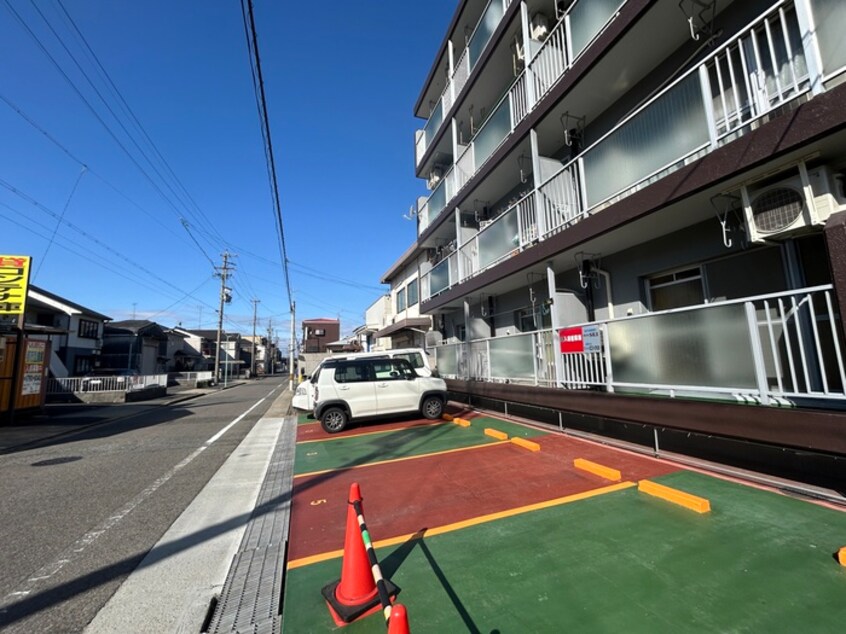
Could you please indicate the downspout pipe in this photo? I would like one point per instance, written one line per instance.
(606, 277)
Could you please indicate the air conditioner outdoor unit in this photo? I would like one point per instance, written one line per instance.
(435, 176)
(539, 27)
(791, 206)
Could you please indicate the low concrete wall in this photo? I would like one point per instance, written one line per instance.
(121, 397)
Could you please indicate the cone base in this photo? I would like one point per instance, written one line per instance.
(343, 614)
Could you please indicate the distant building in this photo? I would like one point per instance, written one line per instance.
(317, 333)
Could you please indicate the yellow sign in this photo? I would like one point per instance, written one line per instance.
(14, 279)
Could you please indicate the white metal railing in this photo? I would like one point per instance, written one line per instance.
(776, 349)
(617, 164)
(70, 385)
(511, 232)
(758, 71)
(550, 62)
(526, 358)
(461, 74)
(560, 199)
(519, 99)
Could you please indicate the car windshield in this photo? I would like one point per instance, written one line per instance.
(414, 358)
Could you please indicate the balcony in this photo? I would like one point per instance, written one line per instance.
(778, 349)
(759, 72)
(482, 33)
(440, 277)
(548, 66)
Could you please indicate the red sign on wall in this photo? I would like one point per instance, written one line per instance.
(572, 340)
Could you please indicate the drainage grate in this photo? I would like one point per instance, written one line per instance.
(252, 593)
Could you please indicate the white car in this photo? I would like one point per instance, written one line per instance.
(348, 389)
(418, 358)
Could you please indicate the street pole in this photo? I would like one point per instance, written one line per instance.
(253, 355)
(223, 273)
(268, 362)
(293, 346)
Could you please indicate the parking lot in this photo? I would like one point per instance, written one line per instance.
(484, 535)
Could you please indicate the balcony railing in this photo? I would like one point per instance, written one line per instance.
(773, 349)
(688, 119)
(491, 17)
(546, 69)
(441, 277)
(501, 238)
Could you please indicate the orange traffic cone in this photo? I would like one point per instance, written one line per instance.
(398, 623)
(355, 595)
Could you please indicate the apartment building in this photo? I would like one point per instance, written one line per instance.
(636, 220)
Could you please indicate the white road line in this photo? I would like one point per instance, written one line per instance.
(79, 546)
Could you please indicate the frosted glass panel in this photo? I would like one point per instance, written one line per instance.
(439, 278)
(670, 128)
(496, 128)
(446, 359)
(829, 17)
(487, 25)
(707, 347)
(499, 239)
(511, 357)
(437, 201)
(435, 120)
(587, 19)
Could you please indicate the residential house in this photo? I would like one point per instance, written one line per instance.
(376, 317)
(635, 223)
(135, 344)
(75, 332)
(406, 327)
(319, 332)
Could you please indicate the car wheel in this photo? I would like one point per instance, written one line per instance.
(334, 420)
(432, 407)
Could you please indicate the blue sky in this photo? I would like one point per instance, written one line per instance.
(341, 80)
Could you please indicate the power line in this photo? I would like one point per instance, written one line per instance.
(252, 45)
(94, 111)
(137, 122)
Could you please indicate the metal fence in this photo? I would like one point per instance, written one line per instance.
(69, 385)
(769, 349)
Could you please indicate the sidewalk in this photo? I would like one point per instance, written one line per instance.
(172, 589)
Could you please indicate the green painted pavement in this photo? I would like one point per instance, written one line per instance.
(350, 451)
(512, 429)
(305, 418)
(621, 562)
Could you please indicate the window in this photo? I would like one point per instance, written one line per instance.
(414, 358)
(412, 293)
(83, 365)
(352, 372)
(674, 290)
(401, 300)
(88, 329)
(528, 320)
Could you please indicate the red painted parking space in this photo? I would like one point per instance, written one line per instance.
(408, 495)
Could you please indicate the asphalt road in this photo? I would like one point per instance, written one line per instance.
(79, 512)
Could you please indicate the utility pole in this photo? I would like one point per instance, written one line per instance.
(292, 346)
(225, 297)
(253, 355)
(269, 360)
